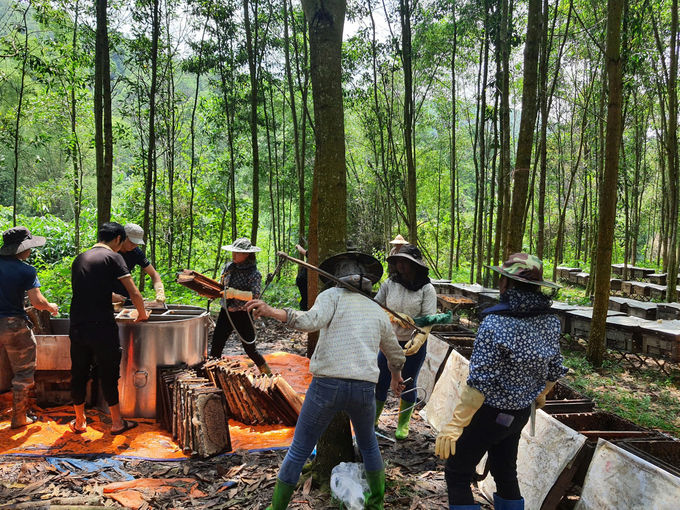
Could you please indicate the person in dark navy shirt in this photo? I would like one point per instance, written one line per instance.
(16, 334)
(134, 257)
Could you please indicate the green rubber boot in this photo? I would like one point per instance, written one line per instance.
(376, 483)
(404, 419)
(282, 494)
(379, 406)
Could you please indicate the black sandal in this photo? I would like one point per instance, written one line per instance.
(127, 425)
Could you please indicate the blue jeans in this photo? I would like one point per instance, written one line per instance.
(411, 369)
(326, 397)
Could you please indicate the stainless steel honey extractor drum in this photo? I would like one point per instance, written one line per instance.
(177, 336)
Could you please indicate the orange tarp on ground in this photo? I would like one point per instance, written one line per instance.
(135, 493)
(51, 435)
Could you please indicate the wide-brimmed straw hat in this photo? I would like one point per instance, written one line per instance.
(242, 245)
(408, 252)
(399, 240)
(18, 239)
(526, 268)
(373, 269)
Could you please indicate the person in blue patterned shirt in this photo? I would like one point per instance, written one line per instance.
(515, 361)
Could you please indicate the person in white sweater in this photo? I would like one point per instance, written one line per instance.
(407, 291)
(352, 329)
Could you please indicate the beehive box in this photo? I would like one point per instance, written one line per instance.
(442, 286)
(617, 269)
(615, 284)
(643, 310)
(487, 299)
(662, 339)
(640, 288)
(656, 291)
(467, 290)
(627, 287)
(657, 278)
(573, 277)
(618, 304)
(582, 278)
(642, 272)
(624, 334)
(562, 272)
(579, 321)
(560, 310)
(668, 311)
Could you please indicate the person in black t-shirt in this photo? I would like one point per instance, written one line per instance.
(133, 257)
(94, 332)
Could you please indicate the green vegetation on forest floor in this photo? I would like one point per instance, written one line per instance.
(648, 397)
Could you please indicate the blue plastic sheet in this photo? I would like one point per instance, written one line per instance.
(96, 466)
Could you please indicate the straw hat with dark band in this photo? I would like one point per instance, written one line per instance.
(374, 269)
(526, 268)
(18, 239)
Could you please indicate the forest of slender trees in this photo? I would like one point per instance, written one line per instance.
(475, 128)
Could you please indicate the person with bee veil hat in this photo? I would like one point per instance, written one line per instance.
(516, 360)
(352, 329)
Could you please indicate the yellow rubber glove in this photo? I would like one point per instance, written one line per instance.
(241, 295)
(414, 345)
(470, 402)
(540, 400)
(160, 292)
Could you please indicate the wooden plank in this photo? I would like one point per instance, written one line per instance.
(559, 488)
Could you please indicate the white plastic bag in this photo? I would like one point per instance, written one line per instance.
(348, 484)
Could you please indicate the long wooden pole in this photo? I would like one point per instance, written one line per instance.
(404, 323)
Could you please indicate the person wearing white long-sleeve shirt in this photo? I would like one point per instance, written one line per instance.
(407, 291)
(352, 329)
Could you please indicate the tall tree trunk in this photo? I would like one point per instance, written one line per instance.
(252, 48)
(151, 154)
(526, 129)
(74, 146)
(102, 90)
(453, 173)
(608, 190)
(481, 134)
(503, 217)
(192, 133)
(299, 162)
(671, 280)
(409, 131)
(326, 20)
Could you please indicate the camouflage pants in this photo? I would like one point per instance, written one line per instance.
(17, 338)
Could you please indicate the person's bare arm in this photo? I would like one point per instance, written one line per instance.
(136, 298)
(153, 274)
(38, 301)
(157, 283)
(117, 298)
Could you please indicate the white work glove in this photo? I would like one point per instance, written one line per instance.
(241, 295)
(414, 345)
(471, 400)
(540, 400)
(400, 318)
(160, 292)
